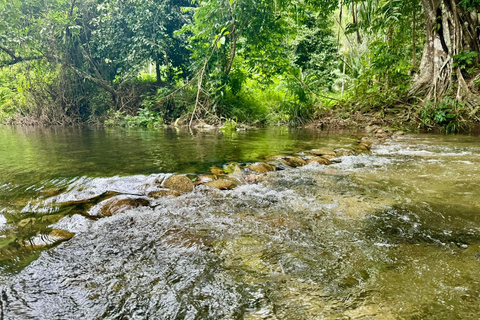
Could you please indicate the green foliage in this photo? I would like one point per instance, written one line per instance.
(258, 61)
(446, 114)
(229, 125)
(145, 118)
(469, 4)
(465, 59)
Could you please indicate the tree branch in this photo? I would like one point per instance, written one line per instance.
(16, 59)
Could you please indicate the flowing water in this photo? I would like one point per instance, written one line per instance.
(389, 234)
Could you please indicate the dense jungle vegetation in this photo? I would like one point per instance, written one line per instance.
(156, 62)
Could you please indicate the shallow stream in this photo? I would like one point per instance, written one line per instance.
(393, 233)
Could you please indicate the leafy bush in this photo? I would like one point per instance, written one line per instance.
(145, 118)
(445, 114)
(229, 125)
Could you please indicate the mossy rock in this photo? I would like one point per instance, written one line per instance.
(294, 161)
(319, 160)
(118, 205)
(179, 183)
(222, 184)
(260, 167)
(232, 168)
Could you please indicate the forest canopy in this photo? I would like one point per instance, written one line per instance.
(156, 62)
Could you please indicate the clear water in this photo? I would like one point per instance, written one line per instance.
(391, 234)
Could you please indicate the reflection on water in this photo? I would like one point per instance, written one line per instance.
(391, 234)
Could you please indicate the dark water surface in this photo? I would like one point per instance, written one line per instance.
(389, 234)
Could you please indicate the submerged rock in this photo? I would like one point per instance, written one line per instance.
(344, 152)
(51, 192)
(260, 167)
(222, 184)
(328, 157)
(164, 193)
(118, 205)
(179, 183)
(26, 221)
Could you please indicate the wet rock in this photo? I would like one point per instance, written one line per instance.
(294, 161)
(58, 234)
(44, 240)
(328, 157)
(320, 152)
(217, 171)
(51, 192)
(164, 193)
(260, 167)
(279, 164)
(252, 178)
(344, 152)
(232, 168)
(118, 205)
(222, 184)
(179, 183)
(399, 133)
(204, 178)
(158, 181)
(365, 145)
(319, 160)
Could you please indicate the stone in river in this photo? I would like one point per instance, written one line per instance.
(320, 152)
(179, 183)
(222, 184)
(118, 205)
(44, 240)
(295, 161)
(319, 160)
(217, 171)
(260, 167)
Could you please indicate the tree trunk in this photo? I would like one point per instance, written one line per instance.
(157, 70)
(450, 29)
(355, 21)
(414, 40)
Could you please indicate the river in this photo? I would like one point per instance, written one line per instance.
(393, 233)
